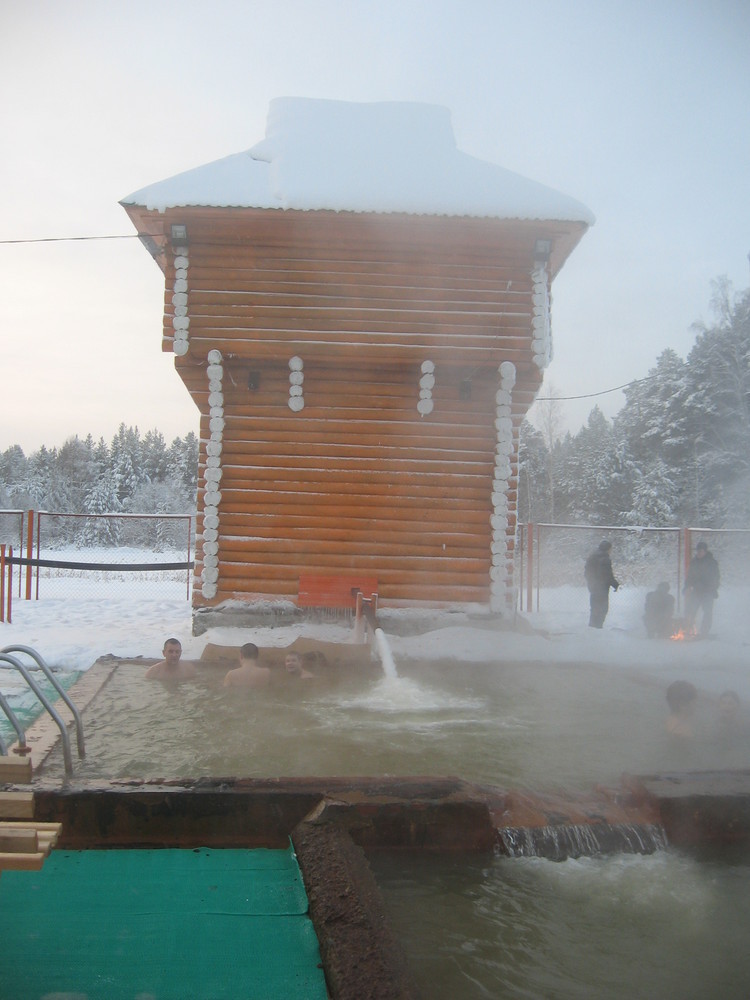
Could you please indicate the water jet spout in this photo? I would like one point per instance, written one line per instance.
(385, 654)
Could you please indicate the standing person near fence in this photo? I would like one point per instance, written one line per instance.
(599, 578)
(701, 588)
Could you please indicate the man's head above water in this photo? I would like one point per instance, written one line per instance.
(172, 652)
(249, 652)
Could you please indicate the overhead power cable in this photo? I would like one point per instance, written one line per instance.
(135, 236)
(590, 395)
(72, 239)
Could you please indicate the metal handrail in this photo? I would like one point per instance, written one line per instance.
(47, 671)
(13, 720)
(7, 658)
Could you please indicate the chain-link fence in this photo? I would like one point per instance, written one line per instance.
(551, 558)
(89, 555)
(12, 537)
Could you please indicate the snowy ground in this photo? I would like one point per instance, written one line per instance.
(131, 619)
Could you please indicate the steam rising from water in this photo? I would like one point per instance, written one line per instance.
(404, 694)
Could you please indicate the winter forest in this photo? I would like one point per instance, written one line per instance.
(131, 475)
(677, 453)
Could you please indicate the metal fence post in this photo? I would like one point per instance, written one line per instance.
(9, 616)
(29, 549)
(686, 555)
(529, 566)
(189, 539)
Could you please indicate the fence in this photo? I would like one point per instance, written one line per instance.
(12, 535)
(76, 555)
(551, 559)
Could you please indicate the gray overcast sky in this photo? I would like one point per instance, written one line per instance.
(638, 109)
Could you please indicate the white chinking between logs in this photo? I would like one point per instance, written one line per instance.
(212, 476)
(541, 328)
(180, 318)
(502, 554)
(426, 385)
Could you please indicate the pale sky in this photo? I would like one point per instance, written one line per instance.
(638, 109)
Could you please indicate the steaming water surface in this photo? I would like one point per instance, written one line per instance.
(619, 927)
(616, 928)
(536, 726)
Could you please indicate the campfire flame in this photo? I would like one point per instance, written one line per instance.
(685, 633)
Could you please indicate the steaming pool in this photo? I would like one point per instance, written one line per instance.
(614, 927)
(519, 725)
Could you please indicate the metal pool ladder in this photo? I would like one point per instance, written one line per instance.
(6, 657)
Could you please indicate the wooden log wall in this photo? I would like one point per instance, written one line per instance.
(358, 480)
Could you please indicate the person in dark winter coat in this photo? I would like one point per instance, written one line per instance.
(701, 588)
(658, 615)
(599, 578)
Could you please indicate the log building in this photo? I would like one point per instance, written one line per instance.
(361, 313)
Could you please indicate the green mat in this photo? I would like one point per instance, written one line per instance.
(159, 925)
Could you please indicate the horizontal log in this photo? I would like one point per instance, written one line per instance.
(326, 235)
(274, 288)
(338, 454)
(364, 391)
(335, 432)
(12, 861)
(349, 234)
(254, 502)
(341, 452)
(255, 578)
(223, 292)
(299, 276)
(18, 839)
(16, 805)
(265, 507)
(359, 523)
(411, 568)
(394, 379)
(358, 350)
(323, 415)
(425, 329)
(334, 240)
(234, 491)
(350, 482)
(468, 325)
(254, 549)
(448, 472)
(15, 768)
(426, 594)
(337, 248)
(239, 453)
(320, 409)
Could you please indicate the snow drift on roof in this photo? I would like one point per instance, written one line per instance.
(384, 157)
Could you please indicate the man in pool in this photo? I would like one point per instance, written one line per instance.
(294, 668)
(249, 673)
(682, 699)
(170, 668)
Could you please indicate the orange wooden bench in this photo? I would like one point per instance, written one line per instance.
(334, 591)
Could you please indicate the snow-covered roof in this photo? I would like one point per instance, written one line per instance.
(340, 156)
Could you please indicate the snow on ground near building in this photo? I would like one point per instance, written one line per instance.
(133, 618)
